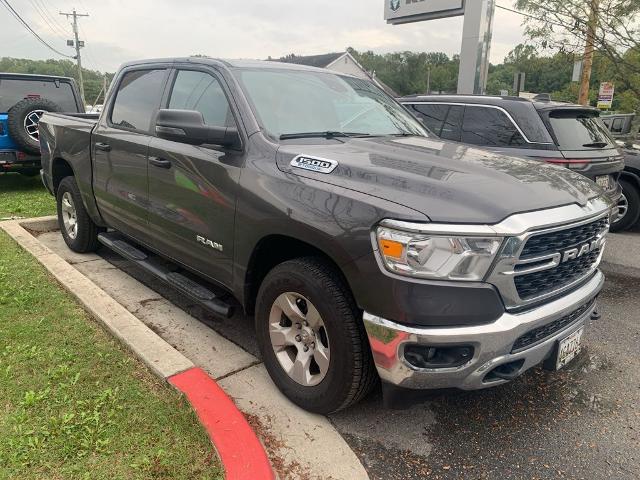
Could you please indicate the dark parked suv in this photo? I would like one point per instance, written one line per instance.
(558, 133)
(24, 98)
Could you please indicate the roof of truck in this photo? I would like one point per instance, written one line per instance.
(231, 63)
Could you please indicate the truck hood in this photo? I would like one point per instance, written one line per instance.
(447, 182)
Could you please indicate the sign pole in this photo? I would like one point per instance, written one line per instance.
(476, 44)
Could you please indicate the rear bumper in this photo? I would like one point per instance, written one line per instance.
(13, 161)
(493, 343)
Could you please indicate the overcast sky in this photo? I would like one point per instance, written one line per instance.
(122, 30)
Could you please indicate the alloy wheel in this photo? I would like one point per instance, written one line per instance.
(31, 121)
(299, 339)
(69, 215)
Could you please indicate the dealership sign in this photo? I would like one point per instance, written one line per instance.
(605, 96)
(407, 11)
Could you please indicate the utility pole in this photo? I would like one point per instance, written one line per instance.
(77, 44)
(587, 64)
(428, 79)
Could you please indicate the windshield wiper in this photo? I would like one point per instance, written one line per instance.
(327, 134)
(595, 145)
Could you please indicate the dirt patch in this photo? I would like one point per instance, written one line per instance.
(273, 445)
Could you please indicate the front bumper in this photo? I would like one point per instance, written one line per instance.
(493, 343)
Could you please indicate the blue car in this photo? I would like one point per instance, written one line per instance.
(24, 99)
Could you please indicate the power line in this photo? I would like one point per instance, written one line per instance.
(39, 4)
(43, 16)
(17, 16)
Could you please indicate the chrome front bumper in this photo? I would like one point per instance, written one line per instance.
(492, 343)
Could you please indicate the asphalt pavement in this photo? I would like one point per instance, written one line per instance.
(580, 423)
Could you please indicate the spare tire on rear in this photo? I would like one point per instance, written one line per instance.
(23, 122)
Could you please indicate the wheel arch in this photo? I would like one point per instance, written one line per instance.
(60, 169)
(631, 174)
(273, 250)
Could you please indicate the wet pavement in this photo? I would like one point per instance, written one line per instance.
(580, 423)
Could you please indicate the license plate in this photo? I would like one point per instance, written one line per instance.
(603, 181)
(568, 348)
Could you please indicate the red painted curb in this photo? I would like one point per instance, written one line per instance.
(241, 453)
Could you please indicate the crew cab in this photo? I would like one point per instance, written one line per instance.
(23, 100)
(365, 247)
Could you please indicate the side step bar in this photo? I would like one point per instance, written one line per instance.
(153, 265)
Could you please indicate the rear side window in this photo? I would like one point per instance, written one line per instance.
(442, 119)
(489, 127)
(201, 92)
(432, 115)
(13, 91)
(138, 99)
(579, 130)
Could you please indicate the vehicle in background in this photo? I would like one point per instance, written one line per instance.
(620, 124)
(94, 108)
(366, 247)
(629, 210)
(563, 134)
(24, 98)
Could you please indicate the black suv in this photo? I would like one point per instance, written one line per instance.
(24, 98)
(560, 133)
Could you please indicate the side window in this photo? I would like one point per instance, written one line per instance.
(432, 115)
(201, 92)
(617, 126)
(489, 127)
(138, 99)
(452, 127)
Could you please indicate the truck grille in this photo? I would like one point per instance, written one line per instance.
(535, 284)
(540, 334)
(563, 239)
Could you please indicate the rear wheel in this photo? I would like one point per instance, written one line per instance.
(312, 338)
(628, 207)
(78, 230)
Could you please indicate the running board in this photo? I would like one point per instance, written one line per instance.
(156, 266)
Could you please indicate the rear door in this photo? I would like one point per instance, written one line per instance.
(120, 147)
(192, 189)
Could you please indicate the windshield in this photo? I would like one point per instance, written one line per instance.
(289, 102)
(579, 130)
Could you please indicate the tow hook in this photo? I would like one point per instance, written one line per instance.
(595, 315)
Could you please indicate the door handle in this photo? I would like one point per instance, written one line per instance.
(105, 147)
(160, 162)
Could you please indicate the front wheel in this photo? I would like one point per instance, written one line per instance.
(628, 207)
(312, 338)
(78, 230)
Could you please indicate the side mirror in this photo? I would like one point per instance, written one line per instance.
(187, 126)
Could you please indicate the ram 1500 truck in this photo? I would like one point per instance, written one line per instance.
(365, 248)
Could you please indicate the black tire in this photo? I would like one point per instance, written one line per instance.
(632, 193)
(86, 236)
(16, 121)
(351, 372)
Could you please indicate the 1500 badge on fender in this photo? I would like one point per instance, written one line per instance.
(315, 164)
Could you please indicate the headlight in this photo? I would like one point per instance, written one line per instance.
(437, 256)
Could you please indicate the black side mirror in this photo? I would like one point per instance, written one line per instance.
(187, 126)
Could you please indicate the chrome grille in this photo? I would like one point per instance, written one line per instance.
(538, 283)
(563, 239)
(540, 264)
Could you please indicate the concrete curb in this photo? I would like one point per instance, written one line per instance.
(225, 424)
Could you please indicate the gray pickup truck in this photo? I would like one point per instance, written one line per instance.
(365, 248)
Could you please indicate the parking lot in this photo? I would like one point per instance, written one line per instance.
(581, 422)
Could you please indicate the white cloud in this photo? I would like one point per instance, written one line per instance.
(122, 30)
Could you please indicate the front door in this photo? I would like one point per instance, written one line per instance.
(192, 189)
(120, 147)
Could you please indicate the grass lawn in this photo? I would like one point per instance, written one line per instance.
(22, 196)
(73, 402)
